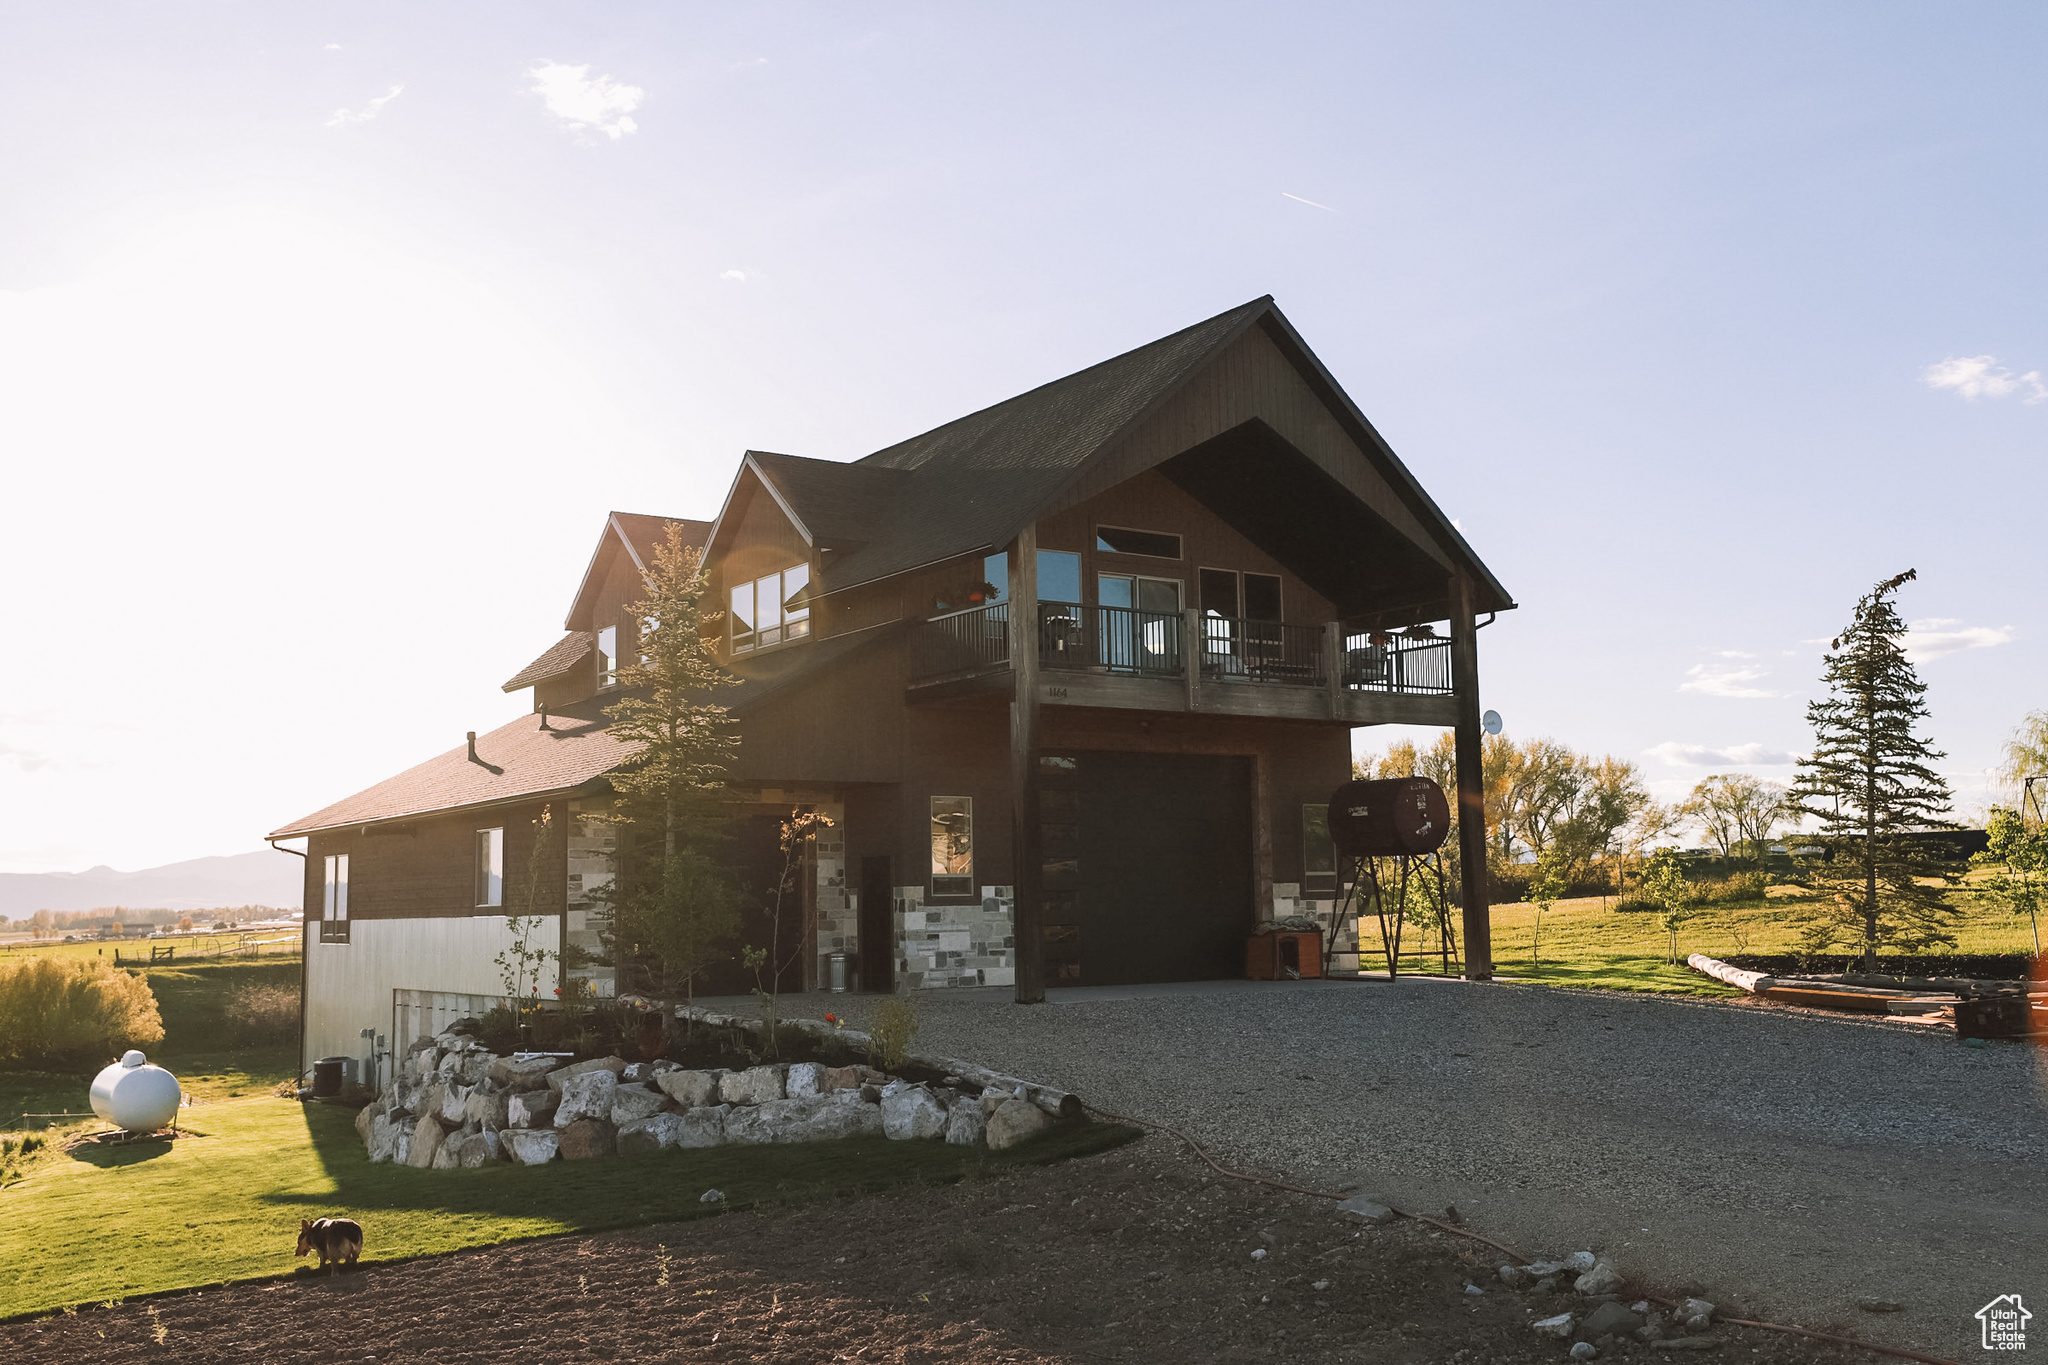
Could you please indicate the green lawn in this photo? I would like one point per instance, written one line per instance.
(1589, 943)
(225, 1203)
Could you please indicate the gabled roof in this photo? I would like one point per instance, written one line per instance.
(531, 762)
(633, 534)
(970, 485)
(561, 656)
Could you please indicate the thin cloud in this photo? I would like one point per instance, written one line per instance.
(1735, 755)
(1981, 376)
(581, 100)
(341, 118)
(1735, 654)
(28, 760)
(736, 275)
(1721, 680)
(1936, 637)
(1310, 202)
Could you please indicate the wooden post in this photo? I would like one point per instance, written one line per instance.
(1471, 789)
(1191, 651)
(1333, 655)
(1028, 866)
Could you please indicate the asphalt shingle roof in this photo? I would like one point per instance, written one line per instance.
(563, 655)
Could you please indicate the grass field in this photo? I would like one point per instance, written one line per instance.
(225, 1203)
(1588, 943)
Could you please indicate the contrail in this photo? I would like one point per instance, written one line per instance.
(1310, 202)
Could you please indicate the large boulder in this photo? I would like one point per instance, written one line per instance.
(561, 1075)
(450, 1067)
(532, 1146)
(966, 1125)
(1016, 1121)
(634, 1102)
(427, 1134)
(426, 1062)
(655, 1133)
(491, 1108)
(690, 1089)
(522, 1073)
(479, 1149)
(587, 1096)
(476, 1067)
(532, 1108)
(911, 1112)
(755, 1085)
(586, 1138)
(803, 1080)
(382, 1139)
(401, 1093)
(429, 1098)
(454, 1103)
(840, 1078)
(372, 1110)
(703, 1126)
(444, 1155)
(814, 1118)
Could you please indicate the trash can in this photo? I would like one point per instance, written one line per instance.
(329, 1074)
(838, 974)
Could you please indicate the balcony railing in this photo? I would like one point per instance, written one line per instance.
(1235, 650)
(1137, 643)
(1412, 665)
(962, 642)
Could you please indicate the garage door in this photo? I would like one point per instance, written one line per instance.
(1147, 867)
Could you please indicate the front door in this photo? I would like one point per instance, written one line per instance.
(1140, 623)
(877, 926)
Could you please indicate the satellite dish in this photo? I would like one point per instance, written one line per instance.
(1490, 722)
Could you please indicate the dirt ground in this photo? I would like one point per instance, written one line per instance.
(1139, 1254)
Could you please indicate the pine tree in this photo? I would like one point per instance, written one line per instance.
(674, 905)
(1869, 786)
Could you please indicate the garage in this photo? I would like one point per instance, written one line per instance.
(1147, 867)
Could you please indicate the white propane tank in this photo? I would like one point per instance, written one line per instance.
(135, 1096)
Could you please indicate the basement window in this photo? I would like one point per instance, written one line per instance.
(490, 868)
(334, 900)
(952, 848)
(1123, 540)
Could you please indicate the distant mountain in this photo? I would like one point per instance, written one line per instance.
(264, 878)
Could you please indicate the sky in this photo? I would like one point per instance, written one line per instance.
(330, 333)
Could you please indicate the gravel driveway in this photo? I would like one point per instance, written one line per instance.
(1791, 1162)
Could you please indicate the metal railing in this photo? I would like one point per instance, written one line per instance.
(1382, 661)
(1237, 650)
(1116, 639)
(961, 642)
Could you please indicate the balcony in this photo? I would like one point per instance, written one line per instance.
(1129, 658)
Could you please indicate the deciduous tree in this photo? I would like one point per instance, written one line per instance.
(1736, 811)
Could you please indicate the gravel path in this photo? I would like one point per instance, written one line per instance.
(1790, 1161)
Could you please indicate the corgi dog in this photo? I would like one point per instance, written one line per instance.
(339, 1240)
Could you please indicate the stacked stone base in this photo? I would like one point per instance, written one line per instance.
(454, 1104)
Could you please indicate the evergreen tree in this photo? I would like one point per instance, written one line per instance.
(673, 904)
(1869, 786)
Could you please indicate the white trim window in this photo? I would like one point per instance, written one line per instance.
(608, 657)
(334, 899)
(774, 609)
(952, 847)
(490, 868)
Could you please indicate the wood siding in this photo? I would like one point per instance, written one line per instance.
(425, 869)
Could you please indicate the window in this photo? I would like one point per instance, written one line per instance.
(1219, 592)
(995, 571)
(772, 610)
(608, 657)
(1262, 597)
(952, 847)
(490, 867)
(1059, 576)
(1318, 854)
(1124, 541)
(334, 900)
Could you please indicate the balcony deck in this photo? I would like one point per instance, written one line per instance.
(1127, 659)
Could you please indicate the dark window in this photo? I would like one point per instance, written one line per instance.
(1121, 540)
(1219, 592)
(1318, 855)
(1262, 597)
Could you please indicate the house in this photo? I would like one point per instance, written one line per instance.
(1072, 676)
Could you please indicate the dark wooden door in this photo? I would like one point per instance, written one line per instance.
(877, 936)
(1164, 877)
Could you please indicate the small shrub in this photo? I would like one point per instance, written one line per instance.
(1632, 906)
(890, 1032)
(263, 1013)
(61, 1013)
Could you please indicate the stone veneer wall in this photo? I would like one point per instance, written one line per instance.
(838, 909)
(956, 945)
(590, 867)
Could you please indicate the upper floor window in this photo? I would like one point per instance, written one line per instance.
(334, 900)
(1123, 540)
(490, 867)
(608, 657)
(771, 610)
